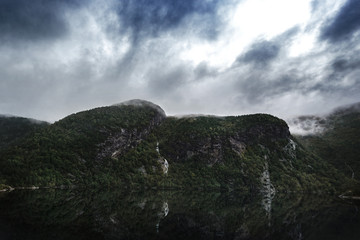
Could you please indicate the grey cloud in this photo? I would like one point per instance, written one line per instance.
(303, 75)
(343, 70)
(293, 80)
(151, 17)
(287, 36)
(331, 91)
(151, 65)
(259, 87)
(345, 23)
(23, 20)
(259, 83)
(266, 75)
(342, 64)
(145, 20)
(164, 83)
(202, 70)
(260, 53)
(338, 78)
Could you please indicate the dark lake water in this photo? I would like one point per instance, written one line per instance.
(65, 214)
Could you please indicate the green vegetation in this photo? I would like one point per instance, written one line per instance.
(65, 152)
(339, 143)
(14, 128)
(116, 147)
(203, 153)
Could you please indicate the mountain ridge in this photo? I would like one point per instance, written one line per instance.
(127, 145)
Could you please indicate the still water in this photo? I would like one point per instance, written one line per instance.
(65, 214)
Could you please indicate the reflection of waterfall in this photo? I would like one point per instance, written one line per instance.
(296, 234)
(164, 163)
(162, 214)
(166, 209)
(157, 148)
(266, 202)
(268, 190)
(353, 173)
(165, 166)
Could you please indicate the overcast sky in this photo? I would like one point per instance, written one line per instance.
(224, 57)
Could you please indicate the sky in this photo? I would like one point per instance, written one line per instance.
(221, 57)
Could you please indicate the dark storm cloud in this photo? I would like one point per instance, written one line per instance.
(345, 23)
(151, 17)
(24, 20)
(342, 64)
(261, 53)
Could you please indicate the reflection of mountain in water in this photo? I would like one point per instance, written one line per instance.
(173, 215)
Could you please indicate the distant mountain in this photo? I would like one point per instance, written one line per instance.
(338, 142)
(135, 145)
(13, 128)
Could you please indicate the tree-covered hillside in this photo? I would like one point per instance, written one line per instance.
(134, 144)
(338, 142)
(244, 152)
(75, 150)
(13, 128)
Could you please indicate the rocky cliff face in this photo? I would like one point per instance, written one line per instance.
(120, 142)
(213, 142)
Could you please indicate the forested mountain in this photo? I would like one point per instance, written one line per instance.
(134, 145)
(337, 140)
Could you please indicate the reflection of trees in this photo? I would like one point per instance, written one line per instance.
(156, 214)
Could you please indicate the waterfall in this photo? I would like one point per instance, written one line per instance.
(164, 163)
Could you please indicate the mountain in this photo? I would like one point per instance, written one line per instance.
(78, 148)
(135, 145)
(13, 128)
(338, 140)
